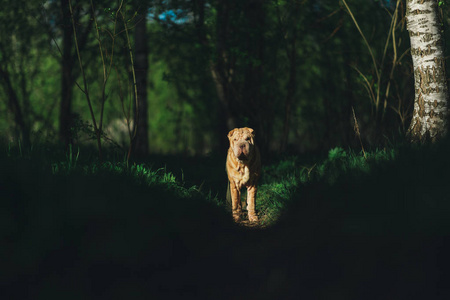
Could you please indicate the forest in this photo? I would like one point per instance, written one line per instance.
(299, 72)
(113, 143)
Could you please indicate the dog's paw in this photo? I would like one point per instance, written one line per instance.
(252, 217)
(236, 216)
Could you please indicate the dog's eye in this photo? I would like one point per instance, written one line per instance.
(248, 138)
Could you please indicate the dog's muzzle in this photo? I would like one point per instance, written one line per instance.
(243, 150)
(242, 156)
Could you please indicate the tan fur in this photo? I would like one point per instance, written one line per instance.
(243, 169)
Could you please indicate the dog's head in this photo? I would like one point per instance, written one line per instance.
(242, 143)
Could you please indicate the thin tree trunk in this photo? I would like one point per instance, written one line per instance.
(15, 109)
(290, 42)
(291, 90)
(429, 120)
(219, 70)
(216, 69)
(220, 67)
(67, 81)
(347, 129)
(140, 141)
(253, 101)
(221, 85)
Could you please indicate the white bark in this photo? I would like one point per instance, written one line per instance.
(430, 84)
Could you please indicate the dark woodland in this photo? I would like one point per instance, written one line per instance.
(295, 71)
(114, 118)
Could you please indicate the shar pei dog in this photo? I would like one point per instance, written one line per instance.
(243, 170)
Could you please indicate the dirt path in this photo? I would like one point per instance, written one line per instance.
(260, 224)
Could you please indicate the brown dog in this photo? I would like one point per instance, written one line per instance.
(243, 169)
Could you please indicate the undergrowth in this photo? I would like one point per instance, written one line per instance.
(345, 220)
(280, 181)
(83, 162)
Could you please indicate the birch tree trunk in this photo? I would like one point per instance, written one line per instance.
(429, 121)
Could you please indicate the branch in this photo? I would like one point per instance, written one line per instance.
(364, 38)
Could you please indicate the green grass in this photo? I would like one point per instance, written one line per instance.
(283, 179)
(341, 225)
(280, 181)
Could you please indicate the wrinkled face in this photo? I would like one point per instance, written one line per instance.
(241, 142)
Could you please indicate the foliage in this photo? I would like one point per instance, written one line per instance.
(317, 40)
(25, 60)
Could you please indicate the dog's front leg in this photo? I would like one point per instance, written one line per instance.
(235, 201)
(251, 196)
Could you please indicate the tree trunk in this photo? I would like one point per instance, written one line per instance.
(219, 70)
(429, 120)
(67, 81)
(253, 102)
(290, 34)
(15, 109)
(291, 90)
(291, 52)
(140, 141)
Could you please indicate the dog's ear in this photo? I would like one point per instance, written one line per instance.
(251, 131)
(230, 134)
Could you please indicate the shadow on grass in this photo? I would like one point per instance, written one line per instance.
(383, 235)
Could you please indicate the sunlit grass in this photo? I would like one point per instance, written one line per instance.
(280, 182)
(284, 178)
